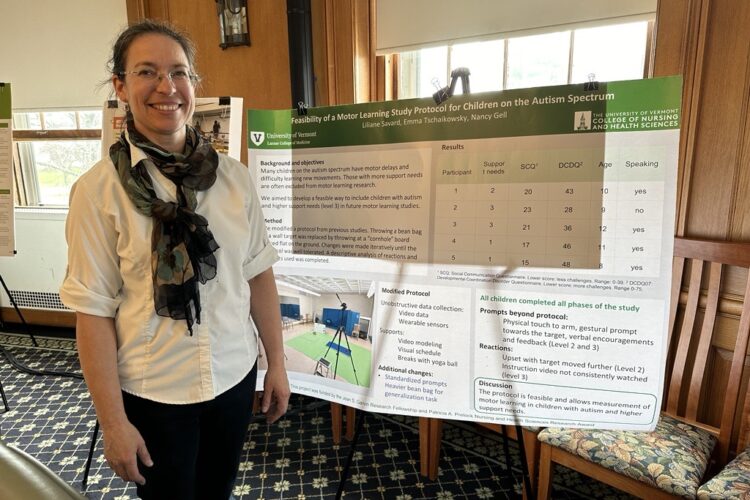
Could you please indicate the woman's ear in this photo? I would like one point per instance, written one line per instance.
(119, 86)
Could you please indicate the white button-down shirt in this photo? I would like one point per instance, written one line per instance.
(109, 274)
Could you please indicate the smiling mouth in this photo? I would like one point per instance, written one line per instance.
(166, 107)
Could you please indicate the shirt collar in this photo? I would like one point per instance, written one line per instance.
(136, 153)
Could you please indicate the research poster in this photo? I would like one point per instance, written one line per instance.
(516, 246)
(7, 231)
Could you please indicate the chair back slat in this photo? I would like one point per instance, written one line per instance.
(678, 267)
(728, 253)
(735, 379)
(743, 440)
(704, 342)
(685, 336)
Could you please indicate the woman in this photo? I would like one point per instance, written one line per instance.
(168, 257)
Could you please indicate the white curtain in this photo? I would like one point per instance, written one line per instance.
(404, 25)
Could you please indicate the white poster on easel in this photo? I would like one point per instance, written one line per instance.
(7, 230)
(518, 245)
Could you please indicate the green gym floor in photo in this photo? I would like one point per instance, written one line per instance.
(315, 345)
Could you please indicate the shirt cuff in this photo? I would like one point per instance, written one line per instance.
(79, 298)
(265, 259)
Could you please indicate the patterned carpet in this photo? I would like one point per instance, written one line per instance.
(52, 419)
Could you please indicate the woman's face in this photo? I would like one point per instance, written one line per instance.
(161, 106)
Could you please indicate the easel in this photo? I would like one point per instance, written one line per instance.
(2, 325)
(5, 287)
(3, 88)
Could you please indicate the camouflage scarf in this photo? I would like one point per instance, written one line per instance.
(182, 246)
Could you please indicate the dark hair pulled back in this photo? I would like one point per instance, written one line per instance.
(116, 65)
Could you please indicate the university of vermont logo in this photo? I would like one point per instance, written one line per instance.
(582, 120)
(257, 138)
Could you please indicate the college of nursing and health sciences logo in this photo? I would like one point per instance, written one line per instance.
(582, 120)
(257, 138)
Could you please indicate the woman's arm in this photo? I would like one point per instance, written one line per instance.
(264, 308)
(97, 350)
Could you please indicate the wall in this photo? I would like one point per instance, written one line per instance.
(306, 302)
(706, 42)
(258, 73)
(54, 53)
(35, 273)
(343, 33)
(354, 302)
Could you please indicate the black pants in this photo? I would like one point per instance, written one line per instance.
(196, 447)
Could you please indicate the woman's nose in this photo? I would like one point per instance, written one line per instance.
(165, 85)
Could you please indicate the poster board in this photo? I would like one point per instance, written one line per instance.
(518, 245)
(218, 119)
(7, 226)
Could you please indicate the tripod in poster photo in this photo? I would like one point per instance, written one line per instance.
(336, 341)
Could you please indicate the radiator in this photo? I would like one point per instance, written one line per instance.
(35, 273)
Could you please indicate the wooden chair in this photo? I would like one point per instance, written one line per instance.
(731, 483)
(654, 465)
(337, 422)
(430, 436)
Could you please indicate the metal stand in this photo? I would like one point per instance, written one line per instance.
(506, 448)
(5, 400)
(18, 311)
(85, 480)
(2, 324)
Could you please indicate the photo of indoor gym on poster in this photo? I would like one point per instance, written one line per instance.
(326, 328)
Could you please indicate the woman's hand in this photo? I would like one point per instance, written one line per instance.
(264, 308)
(96, 339)
(275, 393)
(122, 444)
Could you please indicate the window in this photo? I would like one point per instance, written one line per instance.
(611, 52)
(615, 52)
(537, 61)
(51, 150)
(424, 67)
(485, 60)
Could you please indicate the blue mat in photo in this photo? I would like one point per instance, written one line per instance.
(340, 348)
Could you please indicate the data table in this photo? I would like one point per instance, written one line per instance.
(575, 207)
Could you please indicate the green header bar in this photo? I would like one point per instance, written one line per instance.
(625, 106)
(5, 107)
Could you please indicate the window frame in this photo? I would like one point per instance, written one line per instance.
(648, 61)
(26, 184)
